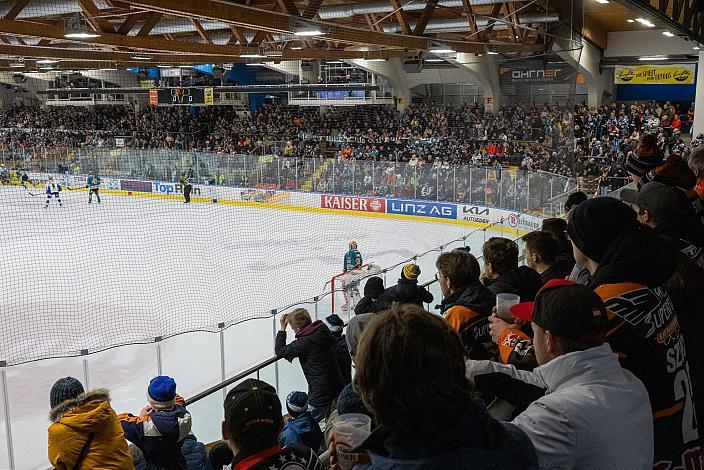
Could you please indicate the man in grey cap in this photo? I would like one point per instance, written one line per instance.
(665, 209)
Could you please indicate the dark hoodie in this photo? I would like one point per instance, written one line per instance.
(406, 292)
(467, 310)
(644, 331)
(522, 281)
(313, 347)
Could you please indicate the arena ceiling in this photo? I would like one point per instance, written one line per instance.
(141, 33)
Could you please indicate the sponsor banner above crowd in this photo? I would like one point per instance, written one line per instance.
(674, 74)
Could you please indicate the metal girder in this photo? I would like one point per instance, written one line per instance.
(687, 16)
(272, 21)
(425, 17)
(47, 31)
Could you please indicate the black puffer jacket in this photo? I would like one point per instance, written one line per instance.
(523, 281)
(313, 347)
(342, 354)
(406, 292)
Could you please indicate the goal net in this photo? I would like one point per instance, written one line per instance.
(346, 287)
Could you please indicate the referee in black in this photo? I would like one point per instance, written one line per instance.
(187, 187)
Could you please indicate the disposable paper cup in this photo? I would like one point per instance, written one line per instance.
(350, 430)
(504, 301)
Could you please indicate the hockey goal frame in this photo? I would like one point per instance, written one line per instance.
(336, 281)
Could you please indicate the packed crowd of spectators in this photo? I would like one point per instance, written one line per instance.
(588, 355)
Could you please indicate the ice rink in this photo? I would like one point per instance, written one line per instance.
(133, 268)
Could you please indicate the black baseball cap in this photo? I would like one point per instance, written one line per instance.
(568, 310)
(252, 404)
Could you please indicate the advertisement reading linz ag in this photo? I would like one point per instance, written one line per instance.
(677, 74)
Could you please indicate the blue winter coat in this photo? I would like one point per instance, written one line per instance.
(195, 454)
(159, 436)
(302, 430)
(477, 441)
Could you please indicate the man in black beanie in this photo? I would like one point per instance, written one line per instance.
(629, 264)
(370, 302)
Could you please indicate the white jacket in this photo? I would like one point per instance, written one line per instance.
(594, 414)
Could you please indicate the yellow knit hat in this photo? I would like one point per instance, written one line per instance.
(411, 271)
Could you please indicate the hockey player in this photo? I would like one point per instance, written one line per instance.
(93, 185)
(53, 189)
(352, 261)
(24, 180)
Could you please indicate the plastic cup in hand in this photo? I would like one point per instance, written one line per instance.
(504, 301)
(350, 430)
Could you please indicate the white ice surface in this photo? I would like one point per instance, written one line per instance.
(132, 268)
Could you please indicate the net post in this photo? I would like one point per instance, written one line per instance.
(86, 381)
(276, 364)
(157, 340)
(221, 326)
(6, 407)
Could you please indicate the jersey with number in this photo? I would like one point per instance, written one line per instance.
(53, 188)
(93, 182)
(353, 259)
(646, 335)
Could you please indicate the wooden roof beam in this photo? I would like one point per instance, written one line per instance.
(16, 9)
(401, 16)
(425, 17)
(92, 14)
(272, 21)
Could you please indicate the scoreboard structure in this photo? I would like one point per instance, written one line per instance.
(181, 96)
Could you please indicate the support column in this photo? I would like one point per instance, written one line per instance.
(698, 126)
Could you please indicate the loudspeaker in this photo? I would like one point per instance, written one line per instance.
(306, 66)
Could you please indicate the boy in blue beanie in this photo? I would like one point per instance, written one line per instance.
(161, 426)
(302, 427)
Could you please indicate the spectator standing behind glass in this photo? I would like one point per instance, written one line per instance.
(407, 289)
(570, 426)
(342, 354)
(369, 303)
(85, 432)
(313, 347)
(435, 423)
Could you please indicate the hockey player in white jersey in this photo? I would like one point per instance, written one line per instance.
(53, 189)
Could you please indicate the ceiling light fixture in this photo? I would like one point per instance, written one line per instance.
(435, 60)
(255, 64)
(378, 59)
(273, 53)
(77, 28)
(603, 2)
(645, 22)
(18, 64)
(630, 20)
(307, 30)
(492, 53)
(441, 50)
(296, 48)
(141, 57)
(668, 34)
(251, 56)
(334, 62)
(657, 57)
(696, 48)
(47, 61)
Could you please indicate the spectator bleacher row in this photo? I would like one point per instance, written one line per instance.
(585, 143)
(587, 356)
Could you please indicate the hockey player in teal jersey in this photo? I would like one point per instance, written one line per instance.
(93, 185)
(352, 260)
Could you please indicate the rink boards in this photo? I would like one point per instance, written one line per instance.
(367, 206)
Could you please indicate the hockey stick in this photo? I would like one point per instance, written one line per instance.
(30, 192)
